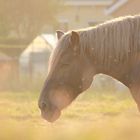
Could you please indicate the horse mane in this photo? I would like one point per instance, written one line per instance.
(114, 41)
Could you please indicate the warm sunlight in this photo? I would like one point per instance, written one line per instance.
(69, 70)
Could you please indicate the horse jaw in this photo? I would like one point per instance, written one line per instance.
(61, 98)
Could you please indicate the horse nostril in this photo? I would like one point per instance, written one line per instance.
(42, 105)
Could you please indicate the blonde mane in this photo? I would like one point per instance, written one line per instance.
(114, 41)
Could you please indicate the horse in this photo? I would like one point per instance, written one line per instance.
(111, 48)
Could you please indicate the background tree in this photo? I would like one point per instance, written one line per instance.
(27, 18)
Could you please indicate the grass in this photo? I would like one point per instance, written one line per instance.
(92, 116)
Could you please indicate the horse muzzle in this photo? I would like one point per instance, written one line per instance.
(49, 112)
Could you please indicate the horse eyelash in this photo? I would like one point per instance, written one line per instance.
(65, 64)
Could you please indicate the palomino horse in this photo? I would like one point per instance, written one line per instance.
(111, 48)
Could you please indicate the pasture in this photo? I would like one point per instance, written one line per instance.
(103, 115)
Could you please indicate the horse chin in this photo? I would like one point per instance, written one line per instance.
(51, 115)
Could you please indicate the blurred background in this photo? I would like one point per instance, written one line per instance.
(27, 38)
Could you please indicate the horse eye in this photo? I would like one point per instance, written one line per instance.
(65, 64)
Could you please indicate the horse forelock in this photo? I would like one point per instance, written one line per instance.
(61, 46)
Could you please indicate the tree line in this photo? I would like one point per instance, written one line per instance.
(27, 18)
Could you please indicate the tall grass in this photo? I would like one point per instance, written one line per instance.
(92, 116)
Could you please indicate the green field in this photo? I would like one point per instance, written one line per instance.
(92, 116)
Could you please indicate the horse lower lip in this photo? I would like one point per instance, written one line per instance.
(51, 116)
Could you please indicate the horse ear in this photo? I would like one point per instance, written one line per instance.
(59, 34)
(74, 39)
